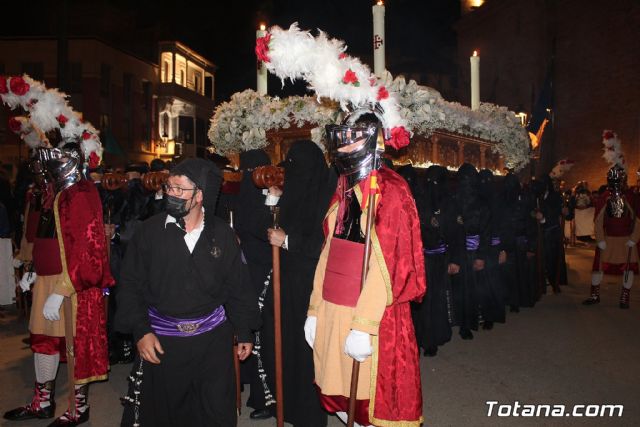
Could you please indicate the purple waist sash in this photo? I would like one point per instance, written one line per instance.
(173, 327)
(495, 241)
(439, 250)
(473, 242)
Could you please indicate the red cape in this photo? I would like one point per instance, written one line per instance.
(398, 390)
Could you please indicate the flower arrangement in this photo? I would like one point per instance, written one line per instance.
(47, 110)
(563, 166)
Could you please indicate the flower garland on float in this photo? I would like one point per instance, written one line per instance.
(241, 124)
(47, 110)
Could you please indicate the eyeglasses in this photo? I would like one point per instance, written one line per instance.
(178, 191)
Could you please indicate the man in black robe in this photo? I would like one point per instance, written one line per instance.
(252, 218)
(184, 294)
(308, 187)
(442, 238)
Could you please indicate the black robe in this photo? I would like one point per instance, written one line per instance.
(194, 383)
(308, 187)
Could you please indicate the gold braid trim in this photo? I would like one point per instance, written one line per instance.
(66, 282)
(367, 322)
(91, 379)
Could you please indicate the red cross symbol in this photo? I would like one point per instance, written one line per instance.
(377, 41)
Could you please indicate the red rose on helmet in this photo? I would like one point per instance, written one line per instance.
(18, 86)
(3, 85)
(350, 77)
(608, 134)
(399, 138)
(15, 125)
(94, 160)
(262, 48)
(382, 93)
(85, 135)
(62, 120)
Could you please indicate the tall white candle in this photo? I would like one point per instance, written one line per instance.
(475, 80)
(378, 39)
(261, 85)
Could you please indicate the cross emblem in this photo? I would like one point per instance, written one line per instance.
(377, 41)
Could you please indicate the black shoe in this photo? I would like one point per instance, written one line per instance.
(65, 419)
(487, 326)
(624, 305)
(260, 414)
(27, 413)
(591, 301)
(466, 334)
(514, 309)
(431, 351)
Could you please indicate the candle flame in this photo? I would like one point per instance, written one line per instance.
(263, 27)
(475, 53)
(380, 3)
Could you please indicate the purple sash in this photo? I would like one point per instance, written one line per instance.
(473, 242)
(495, 241)
(439, 250)
(172, 327)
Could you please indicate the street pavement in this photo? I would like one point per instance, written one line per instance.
(557, 353)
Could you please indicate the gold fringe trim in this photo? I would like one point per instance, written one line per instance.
(92, 379)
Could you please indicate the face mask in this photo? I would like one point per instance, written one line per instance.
(176, 207)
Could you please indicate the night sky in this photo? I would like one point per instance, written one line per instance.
(420, 38)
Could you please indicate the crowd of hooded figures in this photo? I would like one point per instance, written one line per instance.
(490, 244)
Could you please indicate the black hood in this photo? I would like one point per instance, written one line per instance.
(206, 176)
(435, 187)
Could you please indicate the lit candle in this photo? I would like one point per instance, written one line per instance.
(475, 80)
(261, 85)
(378, 39)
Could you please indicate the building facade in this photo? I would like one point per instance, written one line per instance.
(590, 51)
(143, 109)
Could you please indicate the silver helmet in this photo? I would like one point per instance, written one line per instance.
(356, 145)
(62, 165)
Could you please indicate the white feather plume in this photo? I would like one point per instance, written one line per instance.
(612, 149)
(562, 167)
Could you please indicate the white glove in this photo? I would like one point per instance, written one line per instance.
(358, 345)
(27, 280)
(310, 330)
(51, 310)
(602, 245)
(17, 263)
(630, 243)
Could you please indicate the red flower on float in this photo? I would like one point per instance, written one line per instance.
(3, 85)
(350, 77)
(18, 86)
(383, 93)
(262, 48)
(342, 55)
(94, 160)
(372, 81)
(608, 134)
(15, 125)
(85, 135)
(399, 138)
(62, 120)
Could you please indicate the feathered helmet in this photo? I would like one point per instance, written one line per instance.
(48, 110)
(563, 166)
(331, 73)
(617, 173)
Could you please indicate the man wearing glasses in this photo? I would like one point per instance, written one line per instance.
(184, 294)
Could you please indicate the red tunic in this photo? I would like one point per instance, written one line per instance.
(82, 259)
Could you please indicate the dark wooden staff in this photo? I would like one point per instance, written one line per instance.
(540, 252)
(71, 356)
(355, 368)
(236, 357)
(265, 177)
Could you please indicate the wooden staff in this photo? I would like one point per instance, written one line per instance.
(68, 334)
(236, 368)
(277, 320)
(355, 369)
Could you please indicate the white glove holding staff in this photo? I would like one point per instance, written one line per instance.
(27, 280)
(358, 345)
(602, 245)
(310, 330)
